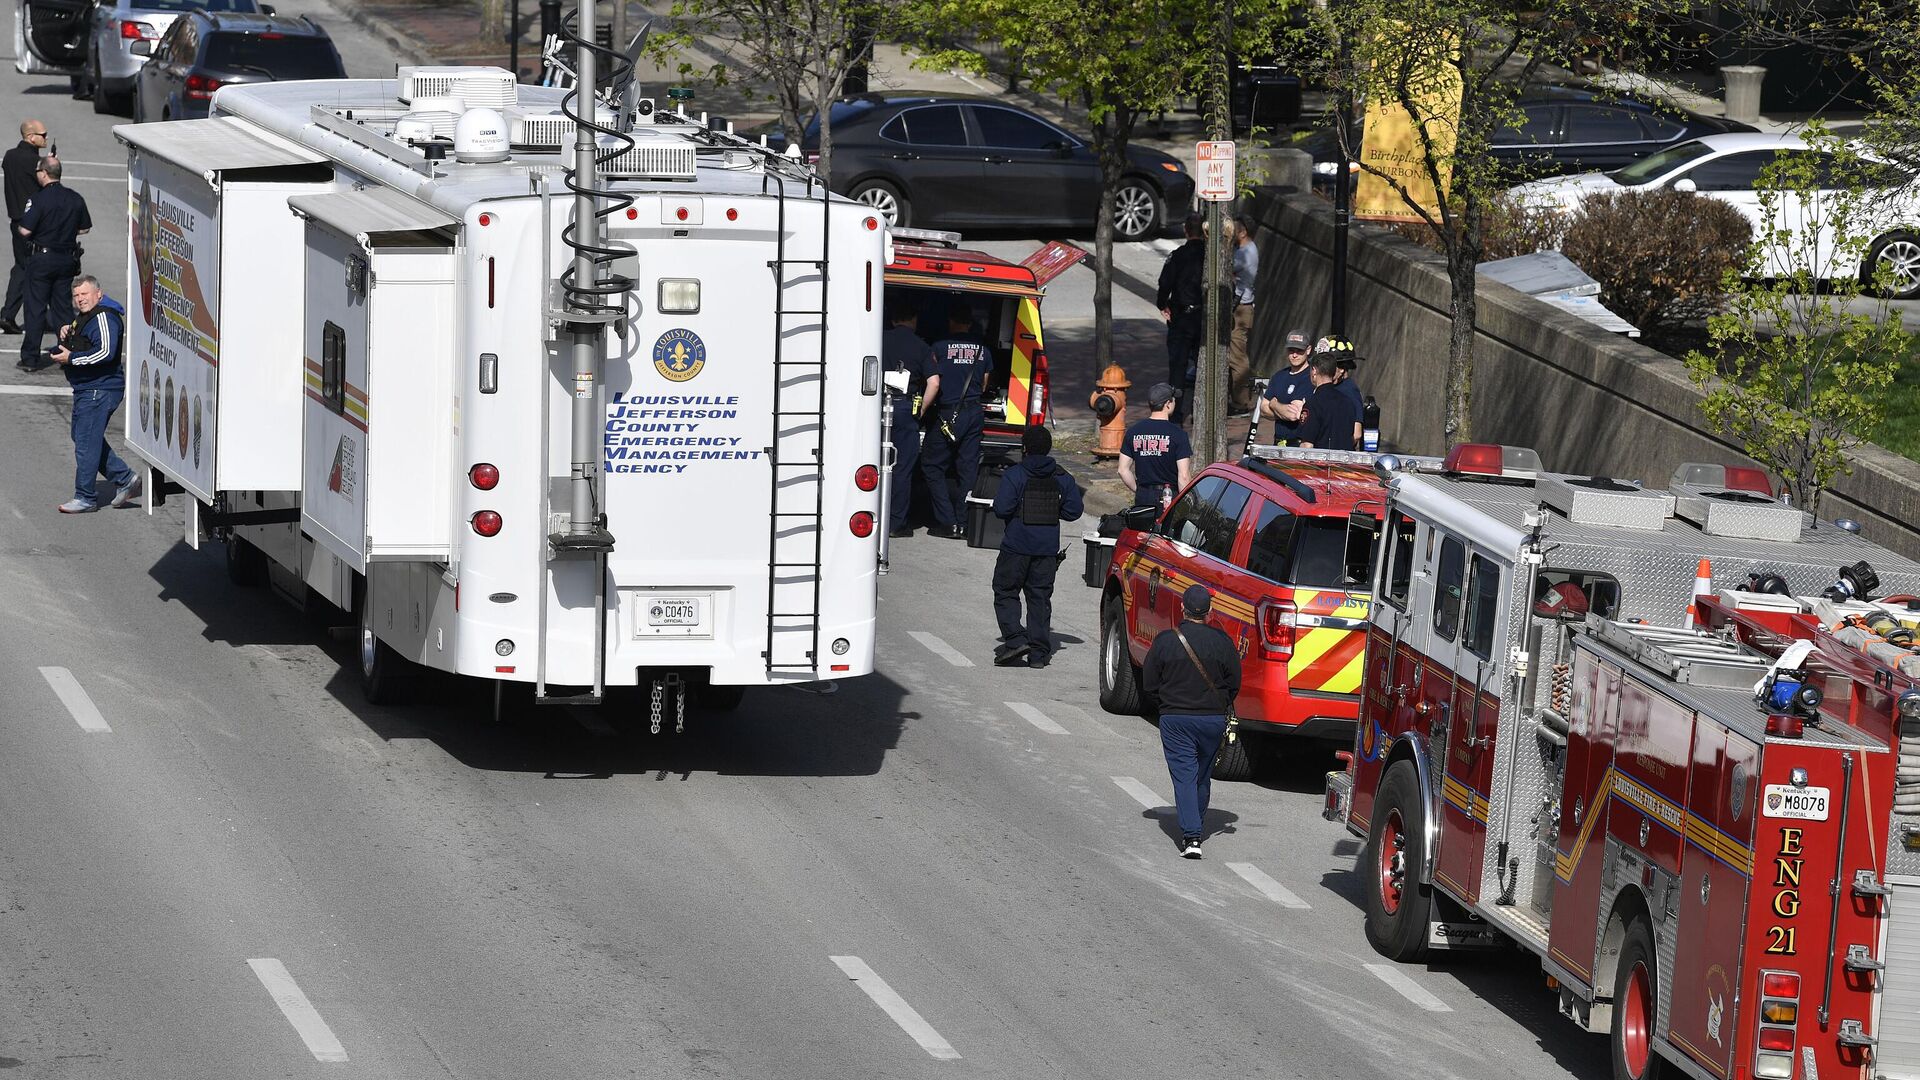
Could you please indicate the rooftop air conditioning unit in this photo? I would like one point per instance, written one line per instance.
(548, 130)
(671, 160)
(439, 113)
(477, 87)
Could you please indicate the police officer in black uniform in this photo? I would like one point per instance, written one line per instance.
(1182, 300)
(952, 421)
(18, 168)
(902, 350)
(54, 220)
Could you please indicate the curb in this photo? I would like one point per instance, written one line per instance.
(390, 35)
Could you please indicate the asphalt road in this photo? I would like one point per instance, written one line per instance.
(218, 861)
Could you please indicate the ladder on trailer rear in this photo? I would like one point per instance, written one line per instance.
(796, 453)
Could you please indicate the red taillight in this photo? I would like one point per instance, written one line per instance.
(486, 523)
(1779, 984)
(861, 524)
(733, 214)
(632, 214)
(1277, 626)
(486, 220)
(199, 86)
(873, 224)
(1773, 1038)
(866, 478)
(269, 36)
(484, 476)
(137, 31)
(681, 213)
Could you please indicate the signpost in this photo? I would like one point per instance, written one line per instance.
(1215, 185)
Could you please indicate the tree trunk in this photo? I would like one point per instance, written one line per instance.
(824, 100)
(1463, 271)
(1112, 160)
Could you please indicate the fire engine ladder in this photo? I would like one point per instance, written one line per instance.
(796, 453)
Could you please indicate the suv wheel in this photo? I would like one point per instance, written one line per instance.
(1119, 676)
(1234, 762)
(1899, 254)
(1136, 210)
(101, 103)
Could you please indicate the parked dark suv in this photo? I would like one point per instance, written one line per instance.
(980, 163)
(203, 51)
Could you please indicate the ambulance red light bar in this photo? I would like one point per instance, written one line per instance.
(1723, 478)
(1492, 459)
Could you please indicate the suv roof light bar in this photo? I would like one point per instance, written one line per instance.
(926, 236)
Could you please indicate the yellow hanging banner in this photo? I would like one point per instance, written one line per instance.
(1392, 143)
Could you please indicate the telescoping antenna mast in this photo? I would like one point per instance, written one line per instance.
(593, 300)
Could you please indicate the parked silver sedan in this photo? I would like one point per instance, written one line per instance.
(91, 41)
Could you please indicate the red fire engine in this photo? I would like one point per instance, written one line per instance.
(1704, 832)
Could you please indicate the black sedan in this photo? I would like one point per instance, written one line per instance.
(978, 162)
(1563, 130)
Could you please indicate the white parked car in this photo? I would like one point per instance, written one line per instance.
(1727, 168)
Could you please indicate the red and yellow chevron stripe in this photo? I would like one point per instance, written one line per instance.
(1026, 342)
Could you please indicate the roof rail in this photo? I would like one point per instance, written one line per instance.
(1292, 483)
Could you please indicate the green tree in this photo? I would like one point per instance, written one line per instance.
(1800, 361)
(1390, 51)
(1119, 60)
(797, 53)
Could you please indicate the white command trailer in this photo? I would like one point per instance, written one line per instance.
(355, 356)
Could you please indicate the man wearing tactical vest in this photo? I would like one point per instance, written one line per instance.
(1035, 496)
(89, 355)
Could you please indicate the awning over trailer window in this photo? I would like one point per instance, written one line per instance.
(212, 146)
(364, 214)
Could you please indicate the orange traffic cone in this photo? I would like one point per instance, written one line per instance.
(1702, 585)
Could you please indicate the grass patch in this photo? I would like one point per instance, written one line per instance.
(1899, 431)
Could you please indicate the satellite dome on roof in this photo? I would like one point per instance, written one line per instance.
(480, 136)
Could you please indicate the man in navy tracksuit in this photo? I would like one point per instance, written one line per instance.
(1035, 496)
(89, 355)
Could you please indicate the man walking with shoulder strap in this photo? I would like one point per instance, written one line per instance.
(89, 353)
(1192, 673)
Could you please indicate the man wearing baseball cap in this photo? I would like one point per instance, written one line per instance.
(1155, 454)
(1287, 390)
(1192, 674)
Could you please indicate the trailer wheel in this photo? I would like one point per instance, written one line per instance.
(1636, 986)
(246, 564)
(380, 666)
(1397, 904)
(1234, 762)
(1119, 675)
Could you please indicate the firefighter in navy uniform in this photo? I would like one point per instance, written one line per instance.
(53, 223)
(1034, 498)
(902, 350)
(952, 422)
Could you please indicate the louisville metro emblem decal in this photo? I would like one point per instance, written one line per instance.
(679, 355)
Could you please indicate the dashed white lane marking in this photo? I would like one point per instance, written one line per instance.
(1035, 717)
(298, 1010)
(37, 391)
(1268, 887)
(74, 697)
(896, 1007)
(940, 648)
(1407, 988)
(1141, 793)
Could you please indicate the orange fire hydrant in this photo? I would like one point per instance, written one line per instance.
(1109, 403)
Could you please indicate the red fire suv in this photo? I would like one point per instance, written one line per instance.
(1270, 536)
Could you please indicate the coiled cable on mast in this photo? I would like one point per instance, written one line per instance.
(603, 295)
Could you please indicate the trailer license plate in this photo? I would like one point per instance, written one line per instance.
(1787, 801)
(667, 611)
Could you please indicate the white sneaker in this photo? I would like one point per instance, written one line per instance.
(125, 496)
(75, 506)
